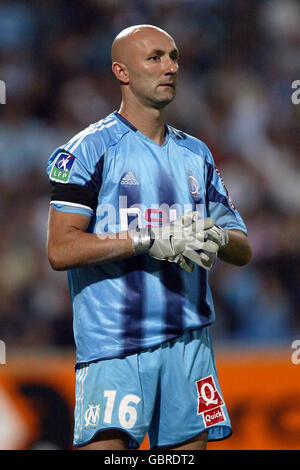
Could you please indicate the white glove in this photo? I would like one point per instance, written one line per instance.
(206, 258)
(169, 241)
(185, 233)
(218, 235)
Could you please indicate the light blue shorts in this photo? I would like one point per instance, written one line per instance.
(170, 392)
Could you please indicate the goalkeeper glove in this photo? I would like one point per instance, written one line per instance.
(169, 241)
(206, 258)
(219, 236)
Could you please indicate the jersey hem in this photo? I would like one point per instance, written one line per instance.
(81, 364)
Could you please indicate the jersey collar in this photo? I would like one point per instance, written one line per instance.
(133, 128)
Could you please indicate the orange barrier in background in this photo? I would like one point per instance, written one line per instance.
(261, 391)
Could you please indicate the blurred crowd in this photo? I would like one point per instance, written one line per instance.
(238, 60)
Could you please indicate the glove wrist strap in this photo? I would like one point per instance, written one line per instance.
(141, 240)
(225, 238)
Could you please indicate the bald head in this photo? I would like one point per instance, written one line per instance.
(130, 38)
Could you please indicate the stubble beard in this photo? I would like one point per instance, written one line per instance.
(160, 102)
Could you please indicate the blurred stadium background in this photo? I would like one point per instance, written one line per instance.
(238, 61)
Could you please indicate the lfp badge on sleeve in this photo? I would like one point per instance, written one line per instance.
(62, 167)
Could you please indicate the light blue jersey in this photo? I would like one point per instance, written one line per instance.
(121, 179)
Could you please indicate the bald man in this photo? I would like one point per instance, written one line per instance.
(138, 216)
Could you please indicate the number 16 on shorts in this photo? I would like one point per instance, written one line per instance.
(210, 403)
(127, 413)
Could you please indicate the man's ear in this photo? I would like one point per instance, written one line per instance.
(121, 73)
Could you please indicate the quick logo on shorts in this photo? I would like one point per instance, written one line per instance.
(209, 402)
(61, 169)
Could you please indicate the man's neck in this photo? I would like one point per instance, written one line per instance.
(149, 121)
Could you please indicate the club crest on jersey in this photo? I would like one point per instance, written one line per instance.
(194, 187)
(62, 167)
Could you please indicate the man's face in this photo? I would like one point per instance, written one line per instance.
(153, 68)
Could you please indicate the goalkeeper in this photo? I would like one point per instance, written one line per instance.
(138, 274)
